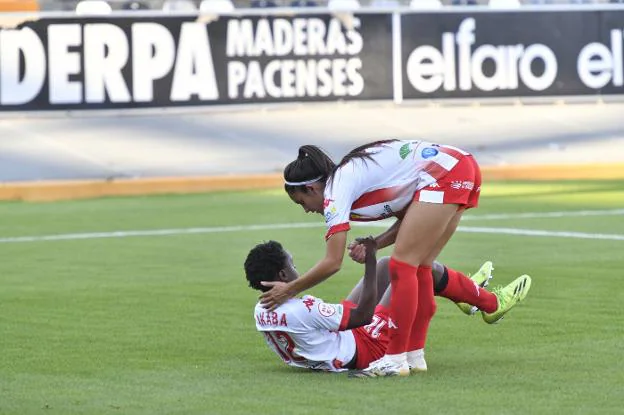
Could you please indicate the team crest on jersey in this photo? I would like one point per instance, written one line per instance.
(404, 150)
(429, 152)
(326, 310)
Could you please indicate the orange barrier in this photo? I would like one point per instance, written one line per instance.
(555, 172)
(19, 6)
(82, 189)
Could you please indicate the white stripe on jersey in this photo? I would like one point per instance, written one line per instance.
(445, 160)
(388, 207)
(426, 179)
(459, 150)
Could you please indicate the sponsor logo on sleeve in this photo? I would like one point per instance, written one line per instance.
(429, 152)
(330, 212)
(405, 150)
(458, 184)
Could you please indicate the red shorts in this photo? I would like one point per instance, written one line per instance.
(461, 185)
(371, 341)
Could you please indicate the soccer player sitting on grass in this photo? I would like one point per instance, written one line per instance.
(307, 332)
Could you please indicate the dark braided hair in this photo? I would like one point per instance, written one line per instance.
(263, 263)
(311, 162)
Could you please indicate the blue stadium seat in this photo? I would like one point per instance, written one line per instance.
(135, 5)
(260, 4)
(385, 3)
(303, 3)
(425, 4)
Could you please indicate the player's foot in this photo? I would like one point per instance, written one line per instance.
(416, 361)
(508, 297)
(482, 279)
(382, 367)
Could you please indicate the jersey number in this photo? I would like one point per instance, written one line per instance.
(375, 327)
(284, 344)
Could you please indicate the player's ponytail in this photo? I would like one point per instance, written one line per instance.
(362, 152)
(312, 165)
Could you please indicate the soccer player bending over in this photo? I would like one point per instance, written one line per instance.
(309, 333)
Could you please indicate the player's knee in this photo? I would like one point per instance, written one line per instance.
(429, 307)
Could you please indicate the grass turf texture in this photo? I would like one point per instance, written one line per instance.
(163, 325)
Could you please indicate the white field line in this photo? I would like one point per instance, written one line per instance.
(532, 232)
(156, 232)
(222, 229)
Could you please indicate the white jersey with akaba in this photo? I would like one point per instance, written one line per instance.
(307, 332)
(373, 189)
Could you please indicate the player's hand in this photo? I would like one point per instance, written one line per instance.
(276, 296)
(370, 246)
(359, 248)
(357, 251)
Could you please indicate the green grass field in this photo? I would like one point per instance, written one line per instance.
(163, 324)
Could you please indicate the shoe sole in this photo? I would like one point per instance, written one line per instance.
(358, 374)
(416, 370)
(487, 280)
(526, 286)
(361, 374)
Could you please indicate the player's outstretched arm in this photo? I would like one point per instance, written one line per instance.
(363, 313)
(325, 268)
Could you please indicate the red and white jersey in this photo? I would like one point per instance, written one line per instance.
(368, 190)
(307, 332)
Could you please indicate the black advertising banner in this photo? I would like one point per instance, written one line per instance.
(602, 59)
(453, 55)
(84, 63)
(305, 58)
(121, 62)
(103, 62)
(161, 61)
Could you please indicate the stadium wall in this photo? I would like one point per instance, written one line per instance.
(62, 62)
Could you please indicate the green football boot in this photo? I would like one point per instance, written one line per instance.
(508, 297)
(482, 279)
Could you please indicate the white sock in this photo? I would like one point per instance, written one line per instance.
(416, 358)
(397, 358)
